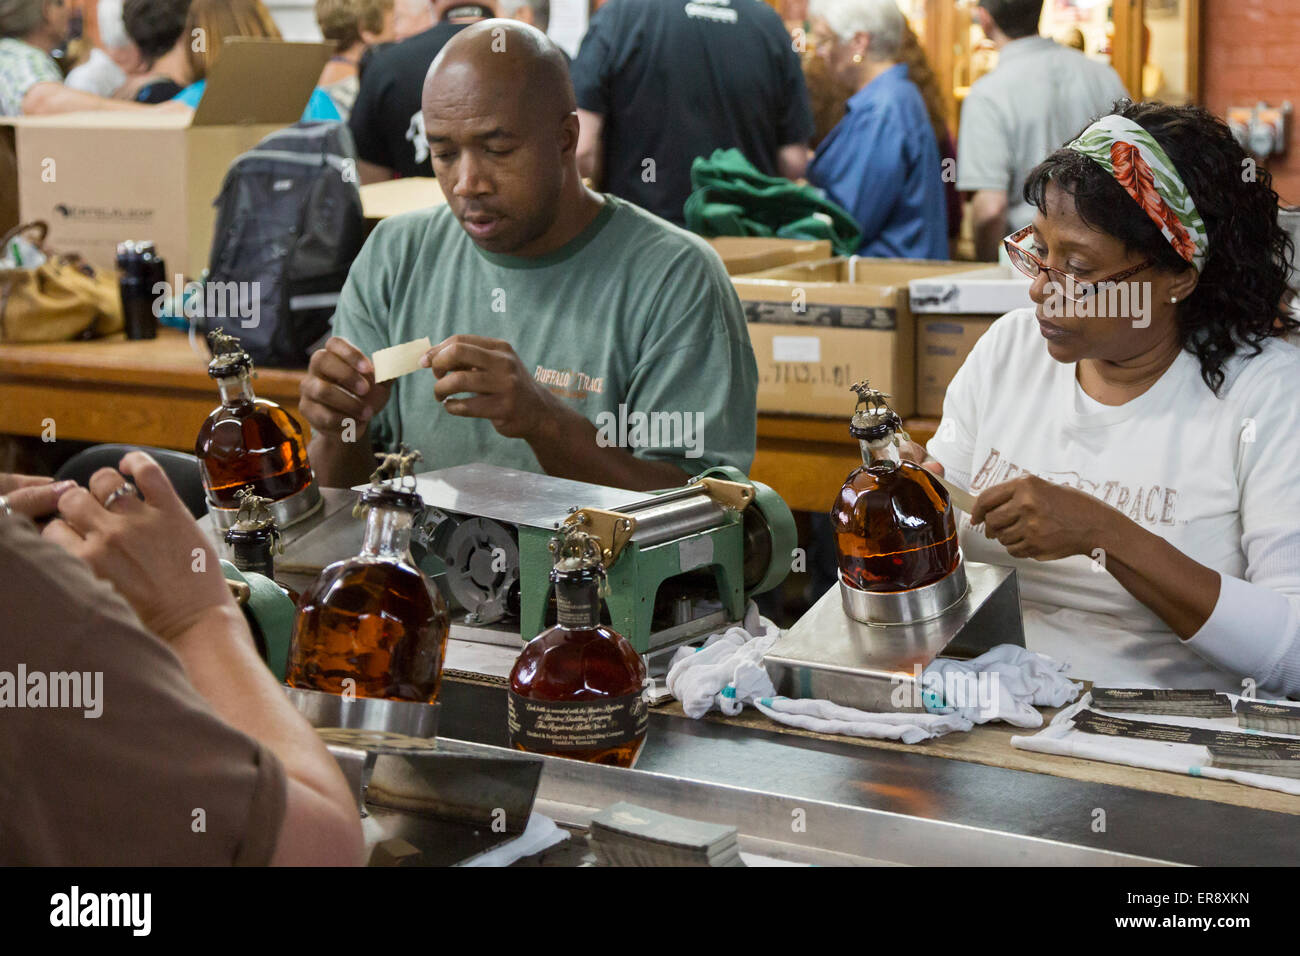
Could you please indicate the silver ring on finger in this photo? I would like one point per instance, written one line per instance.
(6, 509)
(121, 491)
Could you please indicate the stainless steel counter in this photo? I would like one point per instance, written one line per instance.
(817, 801)
(864, 805)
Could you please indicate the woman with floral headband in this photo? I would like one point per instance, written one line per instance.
(1134, 439)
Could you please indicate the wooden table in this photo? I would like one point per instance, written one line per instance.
(147, 392)
(157, 392)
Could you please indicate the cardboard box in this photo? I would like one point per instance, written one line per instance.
(942, 344)
(818, 327)
(394, 196)
(984, 290)
(743, 255)
(952, 312)
(98, 178)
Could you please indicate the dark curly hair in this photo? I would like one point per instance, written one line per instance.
(1241, 296)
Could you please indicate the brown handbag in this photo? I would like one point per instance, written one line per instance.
(61, 299)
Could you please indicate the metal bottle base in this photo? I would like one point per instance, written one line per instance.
(904, 607)
(287, 511)
(324, 710)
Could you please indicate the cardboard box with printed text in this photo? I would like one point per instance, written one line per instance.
(98, 178)
(818, 327)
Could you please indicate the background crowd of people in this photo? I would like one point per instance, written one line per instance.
(842, 96)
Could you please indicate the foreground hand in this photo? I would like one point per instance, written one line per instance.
(30, 495)
(151, 551)
(504, 391)
(1033, 518)
(340, 385)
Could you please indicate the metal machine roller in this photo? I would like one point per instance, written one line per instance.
(674, 514)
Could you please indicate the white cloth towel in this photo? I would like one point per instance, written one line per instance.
(1005, 683)
(1019, 679)
(727, 670)
(825, 717)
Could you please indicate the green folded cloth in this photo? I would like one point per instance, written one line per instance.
(731, 198)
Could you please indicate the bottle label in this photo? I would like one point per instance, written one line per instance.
(566, 726)
(577, 607)
(254, 556)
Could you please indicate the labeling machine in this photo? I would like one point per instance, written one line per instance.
(680, 564)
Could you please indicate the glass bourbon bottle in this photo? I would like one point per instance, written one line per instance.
(576, 689)
(254, 538)
(374, 619)
(250, 441)
(894, 527)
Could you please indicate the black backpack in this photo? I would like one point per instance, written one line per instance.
(288, 219)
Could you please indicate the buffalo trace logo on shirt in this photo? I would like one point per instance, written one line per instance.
(567, 383)
(1147, 504)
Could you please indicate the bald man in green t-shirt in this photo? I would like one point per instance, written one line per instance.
(576, 334)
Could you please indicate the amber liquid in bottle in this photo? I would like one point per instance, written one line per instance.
(580, 661)
(250, 441)
(372, 619)
(894, 526)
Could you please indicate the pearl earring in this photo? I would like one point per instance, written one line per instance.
(1173, 300)
(857, 58)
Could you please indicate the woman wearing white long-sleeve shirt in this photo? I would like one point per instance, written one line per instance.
(1134, 440)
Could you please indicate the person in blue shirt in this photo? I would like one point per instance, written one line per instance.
(881, 161)
(319, 106)
(214, 20)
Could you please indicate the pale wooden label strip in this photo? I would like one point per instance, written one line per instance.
(399, 360)
(959, 497)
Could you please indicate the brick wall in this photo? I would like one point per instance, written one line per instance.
(1251, 52)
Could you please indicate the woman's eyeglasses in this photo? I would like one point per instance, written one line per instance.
(1076, 290)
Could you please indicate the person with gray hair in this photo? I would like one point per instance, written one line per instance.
(30, 81)
(881, 161)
